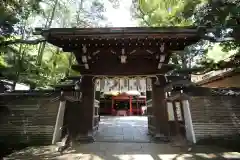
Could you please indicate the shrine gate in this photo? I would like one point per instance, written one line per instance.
(119, 52)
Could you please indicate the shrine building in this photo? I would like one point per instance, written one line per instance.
(137, 53)
(122, 94)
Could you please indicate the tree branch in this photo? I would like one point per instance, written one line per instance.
(143, 18)
(22, 41)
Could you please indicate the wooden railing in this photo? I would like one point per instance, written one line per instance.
(151, 123)
(95, 115)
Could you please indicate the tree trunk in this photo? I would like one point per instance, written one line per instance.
(80, 7)
(18, 59)
(70, 60)
(54, 64)
(48, 24)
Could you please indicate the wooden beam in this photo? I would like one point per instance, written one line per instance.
(146, 67)
(112, 51)
(74, 77)
(173, 44)
(120, 31)
(114, 58)
(113, 64)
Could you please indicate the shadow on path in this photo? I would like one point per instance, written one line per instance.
(122, 132)
(125, 151)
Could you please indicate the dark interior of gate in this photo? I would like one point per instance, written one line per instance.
(116, 52)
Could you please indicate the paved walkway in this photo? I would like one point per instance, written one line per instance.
(124, 151)
(129, 135)
(123, 129)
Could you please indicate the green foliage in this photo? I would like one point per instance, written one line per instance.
(163, 13)
(218, 53)
(12, 11)
(35, 62)
(160, 12)
(222, 15)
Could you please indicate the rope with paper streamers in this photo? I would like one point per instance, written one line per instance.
(117, 77)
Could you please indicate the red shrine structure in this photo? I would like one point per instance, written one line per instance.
(123, 104)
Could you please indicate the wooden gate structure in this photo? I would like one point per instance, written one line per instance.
(103, 52)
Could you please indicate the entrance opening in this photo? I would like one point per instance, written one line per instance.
(123, 129)
(121, 111)
(122, 104)
(121, 107)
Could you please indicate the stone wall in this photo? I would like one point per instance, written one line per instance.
(215, 116)
(28, 118)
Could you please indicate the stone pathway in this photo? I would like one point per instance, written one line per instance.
(123, 151)
(123, 129)
(131, 142)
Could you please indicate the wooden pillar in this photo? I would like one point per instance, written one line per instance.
(159, 109)
(112, 111)
(85, 119)
(138, 107)
(130, 105)
(148, 89)
(97, 89)
(149, 109)
(148, 95)
(97, 95)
